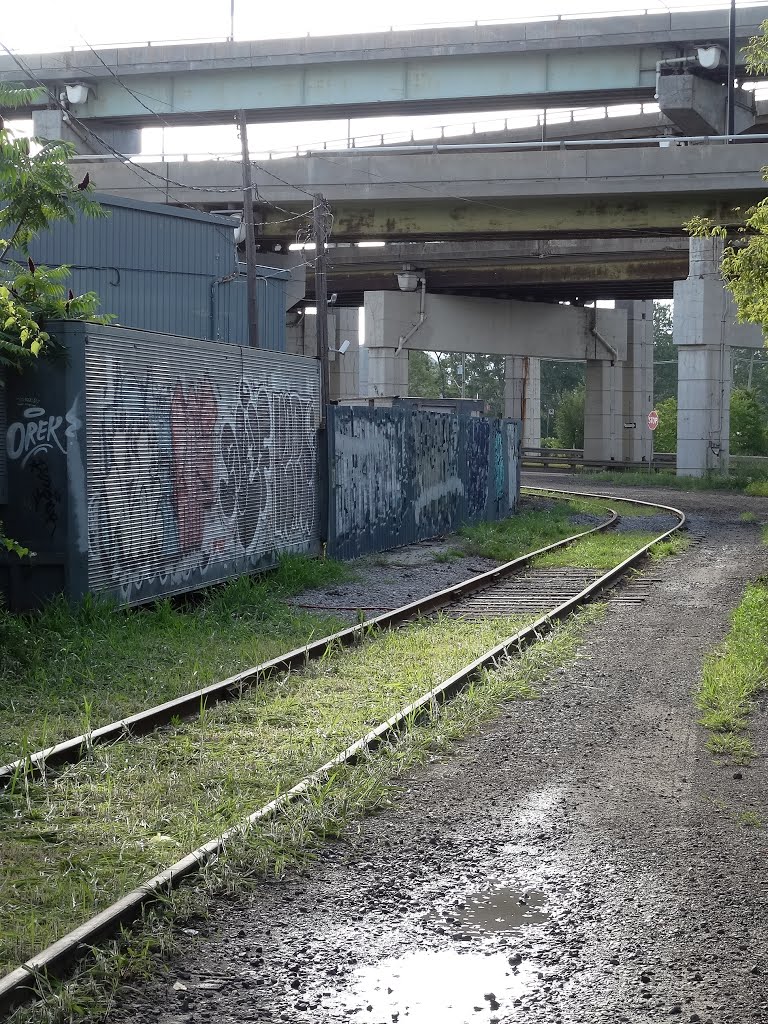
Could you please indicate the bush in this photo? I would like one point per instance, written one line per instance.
(665, 435)
(747, 423)
(569, 419)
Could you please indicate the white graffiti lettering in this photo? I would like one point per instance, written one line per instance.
(37, 432)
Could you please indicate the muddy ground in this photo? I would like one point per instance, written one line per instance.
(580, 860)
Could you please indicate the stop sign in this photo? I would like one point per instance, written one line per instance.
(653, 419)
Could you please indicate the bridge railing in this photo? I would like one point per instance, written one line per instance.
(572, 458)
(662, 8)
(428, 133)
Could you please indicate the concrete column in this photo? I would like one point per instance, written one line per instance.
(387, 373)
(345, 369)
(637, 382)
(522, 396)
(54, 124)
(602, 411)
(703, 311)
(388, 318)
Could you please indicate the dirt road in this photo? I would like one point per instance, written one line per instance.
(580, 860)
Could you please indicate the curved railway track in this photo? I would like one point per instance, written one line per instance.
(551, 595)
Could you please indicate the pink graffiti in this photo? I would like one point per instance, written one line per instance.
(193, 419)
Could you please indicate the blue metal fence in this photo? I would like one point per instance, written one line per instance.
(400, 475)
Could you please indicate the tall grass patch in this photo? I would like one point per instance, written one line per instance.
(68, 670)
(735, 674)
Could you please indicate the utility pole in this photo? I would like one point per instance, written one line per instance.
(731, 69)
(250, 236)
(320, 230)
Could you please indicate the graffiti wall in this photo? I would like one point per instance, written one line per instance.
(400, 475)
(201, 463)
(145, 465)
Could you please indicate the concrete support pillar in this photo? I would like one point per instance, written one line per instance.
(602, 411)
(522, 396)
(388, 318)
(345, 369)
(54, 124)
(703, 311)
(637, 382)
(387, 373)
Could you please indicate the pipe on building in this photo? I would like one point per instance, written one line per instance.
(405, 338)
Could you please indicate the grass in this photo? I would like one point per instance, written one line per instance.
(748, 517)
(528, 530)
(72, 845)
(70, 669)
(604, 550)
(749, 819)
(735, 674)
(710, 482)
(293, 836)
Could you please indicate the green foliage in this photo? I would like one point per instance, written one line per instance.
(747, 424)
(569, 419)
(438, 375)
(735, 674)
(664, 356)
(36, 189)
(423, 375)
(665, 435)
(558, 378)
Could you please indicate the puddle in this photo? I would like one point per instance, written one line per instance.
(444, 985)
(500, 910)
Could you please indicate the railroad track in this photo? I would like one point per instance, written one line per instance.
(513, 588)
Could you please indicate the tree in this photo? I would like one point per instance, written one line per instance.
(558, 377)
(438, 375)
(36, 189)
(747, 424)
(745, 260)
(664, 354)
(665, 435)
(569, 419)
(423, 375)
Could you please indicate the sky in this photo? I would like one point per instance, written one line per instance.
(58, 26)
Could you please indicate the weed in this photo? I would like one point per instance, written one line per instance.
(748, 517)
(727, 744)
(748, 819)
(604, 550)
(737, 481)
(293, 837)
(68, 670)
(736, 672)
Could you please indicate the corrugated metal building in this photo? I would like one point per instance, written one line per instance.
(168, 270)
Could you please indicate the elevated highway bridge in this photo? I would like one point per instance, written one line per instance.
(480, 193)
(528, 64)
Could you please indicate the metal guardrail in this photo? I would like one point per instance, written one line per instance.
(528, 18)
(572, 458)
(537, 118)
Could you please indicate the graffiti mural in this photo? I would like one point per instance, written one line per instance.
(399, 475)
(196, 475)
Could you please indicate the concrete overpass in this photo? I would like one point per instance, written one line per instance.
(511, 192)
(576, 271)
(563, 62)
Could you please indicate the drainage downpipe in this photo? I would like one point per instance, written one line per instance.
(405, 338)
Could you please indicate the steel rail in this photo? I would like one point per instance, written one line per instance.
(75, 749)
(19, 986)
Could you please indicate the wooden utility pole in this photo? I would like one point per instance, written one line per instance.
(250, 236)
(320, 230)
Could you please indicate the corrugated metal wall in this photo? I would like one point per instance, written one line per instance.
(401, 475)
(201, 461)
(157, 268)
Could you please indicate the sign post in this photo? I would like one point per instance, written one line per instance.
(653, 422)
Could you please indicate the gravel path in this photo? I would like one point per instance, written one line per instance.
(580, 860)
